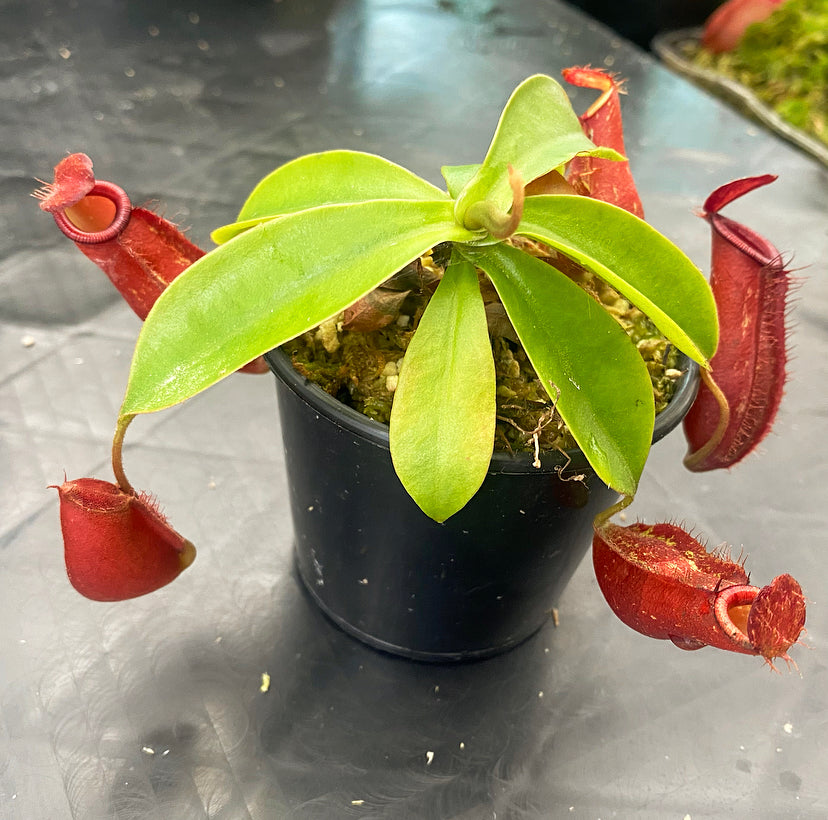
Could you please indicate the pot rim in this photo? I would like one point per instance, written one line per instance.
(502, 462)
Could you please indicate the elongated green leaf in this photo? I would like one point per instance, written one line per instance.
(443, 416)
(226, 232)
(327, 178)
(584, 359)
(538, 131)
(269, 285)
(456, 177)
(636, 260)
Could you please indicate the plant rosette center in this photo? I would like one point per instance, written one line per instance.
(357, 355)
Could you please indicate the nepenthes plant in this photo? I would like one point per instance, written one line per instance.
(321, 233)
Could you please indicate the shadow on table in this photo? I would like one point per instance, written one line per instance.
(352, 732)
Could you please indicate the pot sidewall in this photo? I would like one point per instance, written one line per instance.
(475, 585)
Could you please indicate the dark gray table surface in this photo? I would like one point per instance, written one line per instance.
(152, 708)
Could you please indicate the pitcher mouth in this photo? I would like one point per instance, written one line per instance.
(732, 608)
(99, 216)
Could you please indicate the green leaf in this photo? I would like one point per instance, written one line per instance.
(636, 260)
(538, 132)
(443, 416)
(269, 285)
(583, 357)
(457, 176)
(226, 232)
(327, 178)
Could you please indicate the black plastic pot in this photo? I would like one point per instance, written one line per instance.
(474, 586)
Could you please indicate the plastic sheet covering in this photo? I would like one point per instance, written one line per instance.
(157, 707)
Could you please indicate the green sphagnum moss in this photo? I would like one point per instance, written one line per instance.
(360, 367)
(784, 62)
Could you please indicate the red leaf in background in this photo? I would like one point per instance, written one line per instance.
(375, 310)
(750, 285)
(598, 178)
(662, 582)
(117, 545)
(724, 28)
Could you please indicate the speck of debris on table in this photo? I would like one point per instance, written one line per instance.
(148, 750)
(429, 756)
(265, 682)
(787, 728)
(28, 341)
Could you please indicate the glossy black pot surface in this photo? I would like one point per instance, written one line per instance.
(473, 586)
